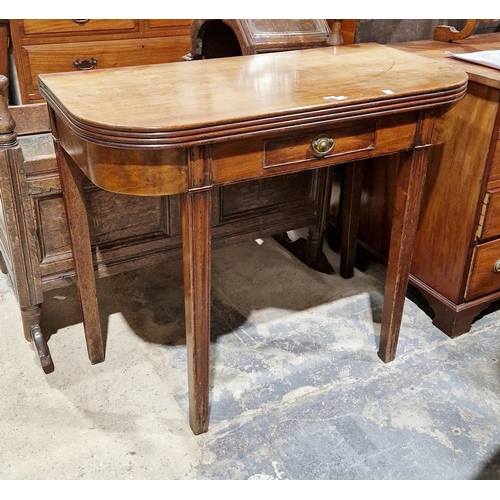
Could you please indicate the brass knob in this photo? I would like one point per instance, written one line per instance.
(85, 64)
(496, 267)
(322, 144)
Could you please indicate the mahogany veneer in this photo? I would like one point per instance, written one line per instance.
(249, 118)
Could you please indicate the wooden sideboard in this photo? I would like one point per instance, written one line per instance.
(51, 46)
(456, 261)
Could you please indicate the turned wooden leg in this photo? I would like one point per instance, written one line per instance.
(351, 202)
(40, 345)
(33, 333)
(31, 318)
(407, 201)
(310, 250)
(197, 254)
(3, 265)
(72, 187)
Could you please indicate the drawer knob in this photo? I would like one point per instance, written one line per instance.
(81, 22)
(322, 144)
(496, 267)
(85, 64)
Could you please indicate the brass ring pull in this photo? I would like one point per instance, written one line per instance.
(81, 22)
(322, 144)
(85, 64)
(496, 267)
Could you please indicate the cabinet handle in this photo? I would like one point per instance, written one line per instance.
(496, 267)
(85, 64)
(322, 144)
(81, 22)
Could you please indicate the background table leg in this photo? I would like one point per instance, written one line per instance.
(408, 198)
(196, 250)
(352, 187)
(76, 213)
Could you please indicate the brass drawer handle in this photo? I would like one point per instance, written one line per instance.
(322, 144)
(85, 64)
(496, 267)
(81, 22)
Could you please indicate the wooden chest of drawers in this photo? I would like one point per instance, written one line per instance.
(456, 262)
(51, 46)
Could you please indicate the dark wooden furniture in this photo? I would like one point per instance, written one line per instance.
(214, 38)
(34, 239)
(445, 33)
(251, 118)
(456, 261)
(4, 49)
(55, 45)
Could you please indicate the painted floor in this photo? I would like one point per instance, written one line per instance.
(297, 389)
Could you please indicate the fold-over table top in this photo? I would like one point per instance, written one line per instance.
(192, 100)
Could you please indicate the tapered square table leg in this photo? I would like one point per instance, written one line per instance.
(407, 201)
(72, 186)
(196, 250)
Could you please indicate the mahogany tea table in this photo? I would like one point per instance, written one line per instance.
(185, 128)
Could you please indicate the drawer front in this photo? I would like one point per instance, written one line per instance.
(55, 58)
(280, 152)
(252, 158)
(484, 277)
(489, 226)
(75, 26)
(495, 167)
(169, 23)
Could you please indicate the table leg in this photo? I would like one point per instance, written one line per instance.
(196, 251)
(310, 250)
(406, 211)
(351, 201)
(72, 187)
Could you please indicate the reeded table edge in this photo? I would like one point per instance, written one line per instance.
(255, 126)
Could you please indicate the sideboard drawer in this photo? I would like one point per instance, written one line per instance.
(74, 26)
(55, 58)
(485, 274)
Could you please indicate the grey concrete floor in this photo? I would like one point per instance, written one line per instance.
(297, 389)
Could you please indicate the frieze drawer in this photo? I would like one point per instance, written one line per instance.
(310, 147)
(329, 145)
